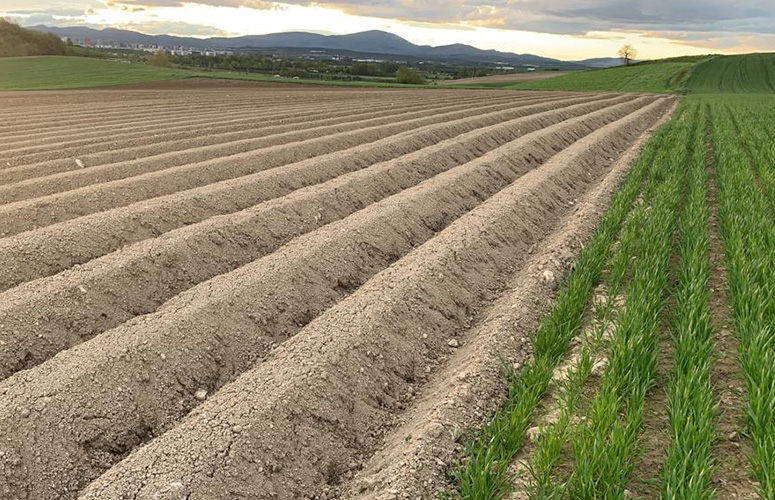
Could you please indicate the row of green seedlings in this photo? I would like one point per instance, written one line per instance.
(748, 234)
(553, 439)
(605, 444)
(483, 473)
(688, 468)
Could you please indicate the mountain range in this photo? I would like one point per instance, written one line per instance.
(373, 42)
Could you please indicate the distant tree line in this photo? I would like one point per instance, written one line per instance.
(331, 69)
(17, 41)
(255, 63)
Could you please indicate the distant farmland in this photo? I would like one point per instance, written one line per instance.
(658, 77)
(748, 73)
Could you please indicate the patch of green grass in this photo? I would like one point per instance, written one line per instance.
(746, 73)
(605, 445)
(60, 72)
(688, 470)
(553, 440)
(657, 77)
(258, 77)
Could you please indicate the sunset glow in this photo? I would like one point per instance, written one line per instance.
(484, 26)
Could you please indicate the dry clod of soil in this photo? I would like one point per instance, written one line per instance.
(280, 294)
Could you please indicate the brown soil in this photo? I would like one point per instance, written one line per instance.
(188, 151)
(261, 331)
(244, 158)
(63, 245)
(512, 78)
(163, 134)
(243, 237)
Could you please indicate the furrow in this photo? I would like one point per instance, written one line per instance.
(161, 111)
(92, 125)
(123, 103)
(135, 281)
(64, 146)
(170, 122)
(413, 458)
(137, 380)
(66, 120)
(322, 398)
(30, 214)
(58, 247)
(145, 148)
(220, 151)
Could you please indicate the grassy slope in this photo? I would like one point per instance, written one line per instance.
(58, 72)
(663, 77)
(747, 73)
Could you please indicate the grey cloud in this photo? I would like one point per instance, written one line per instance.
(720, 20)
(553, 16)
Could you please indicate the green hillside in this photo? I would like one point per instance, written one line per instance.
(18, 41)
(747, 73)
(68, 72)
(52, 72)
(661, 77)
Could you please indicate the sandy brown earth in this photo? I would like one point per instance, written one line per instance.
(509, 78)
(256, 293)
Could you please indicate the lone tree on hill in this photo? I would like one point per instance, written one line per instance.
(627, 53)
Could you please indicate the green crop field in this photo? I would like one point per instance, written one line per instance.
(748, 73)
(666, 324)
(60, 72)
(662, 77)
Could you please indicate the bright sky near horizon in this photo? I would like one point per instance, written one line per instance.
(564, 29)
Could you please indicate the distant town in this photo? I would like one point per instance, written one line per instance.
(151, 48)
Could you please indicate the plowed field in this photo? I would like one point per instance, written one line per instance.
(257, 293)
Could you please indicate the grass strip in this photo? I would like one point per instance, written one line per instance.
(688, 468)
(553, 440)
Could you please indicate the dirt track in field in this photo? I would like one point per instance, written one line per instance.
(249, 291)
(510, 78)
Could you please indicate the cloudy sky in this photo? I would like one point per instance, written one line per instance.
(565, 29)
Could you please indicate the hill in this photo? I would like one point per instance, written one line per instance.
(658, 77)
(18, 41)
(51, 72)
(373, 42)
(601, 62)
(60, 72)
(746, 73)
